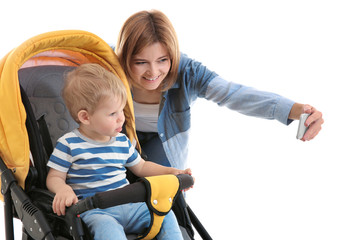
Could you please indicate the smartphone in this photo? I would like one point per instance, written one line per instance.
(301, 127)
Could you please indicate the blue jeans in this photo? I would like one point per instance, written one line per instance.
(131, 218)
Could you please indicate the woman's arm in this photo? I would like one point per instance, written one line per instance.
(247, 100)
(204, 83)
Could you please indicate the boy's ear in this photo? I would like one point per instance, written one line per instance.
(83, 116)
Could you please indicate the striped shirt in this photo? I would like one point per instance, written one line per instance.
(92, 166)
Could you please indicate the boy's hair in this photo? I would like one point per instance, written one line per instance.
(87, 85)
(143, 29)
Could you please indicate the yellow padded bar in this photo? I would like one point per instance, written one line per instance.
(162, 190)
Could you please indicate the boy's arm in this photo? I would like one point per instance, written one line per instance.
(147, 169)
(65, 196)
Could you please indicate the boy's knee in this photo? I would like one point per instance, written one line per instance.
(170, 228)
(104, 227)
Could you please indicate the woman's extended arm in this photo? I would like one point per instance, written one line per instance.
(247, 100)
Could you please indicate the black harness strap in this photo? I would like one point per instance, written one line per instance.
(45, 134)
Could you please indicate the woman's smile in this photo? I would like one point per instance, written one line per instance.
(152, 79)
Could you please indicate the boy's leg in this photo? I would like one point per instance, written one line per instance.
(170, 229)
(103, 226)
(137, 218)
(128, 218)
(117, 221)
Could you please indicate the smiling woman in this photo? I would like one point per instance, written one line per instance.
(251, 172)
(153, 81)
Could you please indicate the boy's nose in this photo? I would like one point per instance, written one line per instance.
(121, 118)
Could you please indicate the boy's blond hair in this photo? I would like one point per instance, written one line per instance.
(87, 85)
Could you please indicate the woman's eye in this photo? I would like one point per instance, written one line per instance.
(139, 63)
(164, 60)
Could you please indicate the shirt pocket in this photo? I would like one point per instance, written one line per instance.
(181, 121)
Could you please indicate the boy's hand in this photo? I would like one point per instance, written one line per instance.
(186, 171)
(176, 171)
(64, 198)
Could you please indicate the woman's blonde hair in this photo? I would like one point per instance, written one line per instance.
(143, 29)
(87, 85)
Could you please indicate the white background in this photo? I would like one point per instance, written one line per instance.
(254, 180)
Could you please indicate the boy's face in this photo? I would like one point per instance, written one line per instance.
(107, 120)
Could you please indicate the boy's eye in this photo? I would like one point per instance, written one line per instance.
(115, 113)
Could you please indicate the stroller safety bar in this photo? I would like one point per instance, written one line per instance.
(132, 193)
(135, 192)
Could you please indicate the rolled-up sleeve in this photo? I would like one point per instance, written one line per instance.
(249, 101)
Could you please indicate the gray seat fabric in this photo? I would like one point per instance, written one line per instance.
(43, 87)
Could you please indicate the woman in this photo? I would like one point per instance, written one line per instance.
(165, 83)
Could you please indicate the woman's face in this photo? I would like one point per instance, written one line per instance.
(150, 66)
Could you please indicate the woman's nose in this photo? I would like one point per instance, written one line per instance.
(152, 70)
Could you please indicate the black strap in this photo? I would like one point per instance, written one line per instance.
(45, 134)
(35, 141)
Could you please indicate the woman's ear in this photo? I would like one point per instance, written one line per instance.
(83, 117)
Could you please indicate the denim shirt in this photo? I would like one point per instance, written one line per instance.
(195, 80)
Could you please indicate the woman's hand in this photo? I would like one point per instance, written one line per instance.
(314, 121)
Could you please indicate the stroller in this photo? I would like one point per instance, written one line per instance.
(33, 116)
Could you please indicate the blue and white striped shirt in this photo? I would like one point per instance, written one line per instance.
(92, 166)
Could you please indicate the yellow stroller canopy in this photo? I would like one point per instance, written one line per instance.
(68, 47)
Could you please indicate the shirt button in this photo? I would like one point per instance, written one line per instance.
(161, 134)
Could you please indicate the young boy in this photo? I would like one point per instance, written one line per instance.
(94, 157)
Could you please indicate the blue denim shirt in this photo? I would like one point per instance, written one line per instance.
(195, 80)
